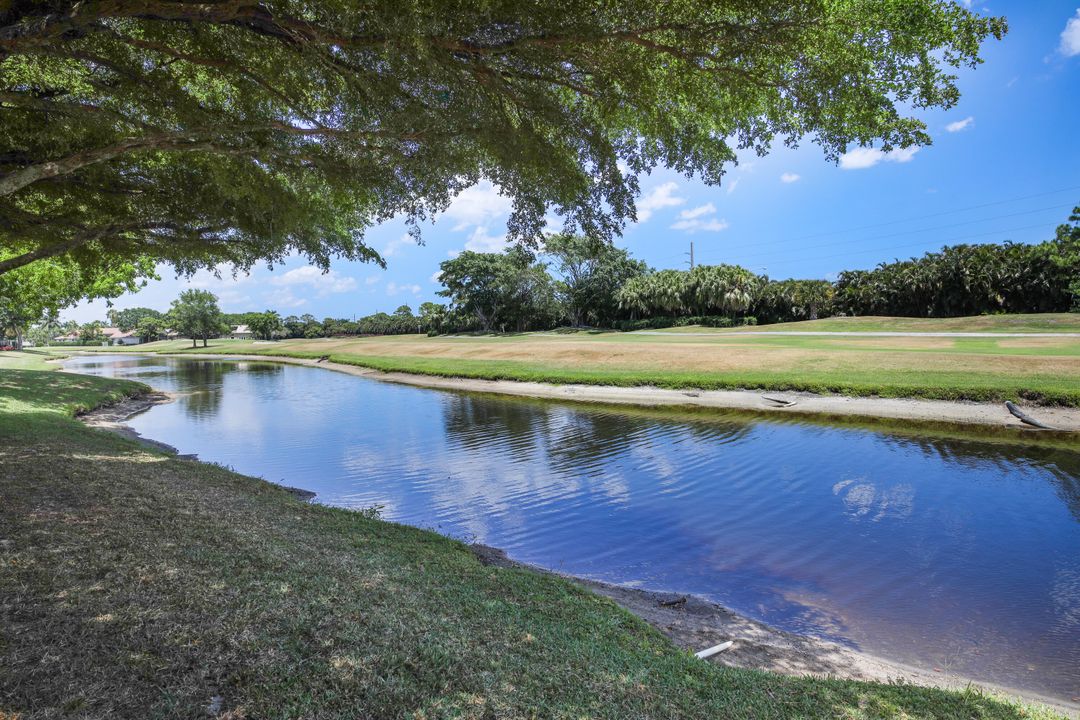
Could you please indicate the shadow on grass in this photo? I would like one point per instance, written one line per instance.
(29, 351)
(63, 392)
(153, 585)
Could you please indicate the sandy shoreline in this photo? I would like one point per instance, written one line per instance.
(805, 404)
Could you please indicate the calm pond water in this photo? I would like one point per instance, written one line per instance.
(958, 555)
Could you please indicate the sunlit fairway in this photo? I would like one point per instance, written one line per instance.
(1036, 369)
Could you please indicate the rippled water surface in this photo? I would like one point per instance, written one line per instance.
(958, 555)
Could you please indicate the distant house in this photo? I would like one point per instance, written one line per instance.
(241, 332)
(113, 336)
(116, 336)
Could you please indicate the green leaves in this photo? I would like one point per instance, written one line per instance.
(243, 132)
(970, 280)
(43, 288)
(592, 272)
(265, 325)
(725, 289)
(129, 318)
(195, 314)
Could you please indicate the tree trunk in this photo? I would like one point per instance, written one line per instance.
(194, 342)
(204, 341)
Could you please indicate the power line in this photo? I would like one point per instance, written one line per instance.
(938, 214)
(919, 217)
(906, 232)
(943, 243)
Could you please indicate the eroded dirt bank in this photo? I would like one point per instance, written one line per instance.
(112, 418)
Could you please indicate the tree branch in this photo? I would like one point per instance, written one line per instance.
(193, 140)
(46, 251)
(18, 179)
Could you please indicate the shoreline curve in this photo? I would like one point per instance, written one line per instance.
(807, 405)
(690, 622)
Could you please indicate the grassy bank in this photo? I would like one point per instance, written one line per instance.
(135, 584)
(1040, 370)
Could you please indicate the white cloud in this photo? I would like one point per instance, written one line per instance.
(901, 155)
(661, 196)
(480, 241)
(230, 299)
(700, 219)
(553, 224)
(228, 289)
(960, 124)
(436, 277)
(392, 288)
(789, 178)
(210, 280)
(862, 158)
(371, 279)
(1070, 36)
(707, 209)
(395, 246)
(311, 276)
(478, 205)
(284, 298)
(707, 225)
(232, 293)
(732, 185)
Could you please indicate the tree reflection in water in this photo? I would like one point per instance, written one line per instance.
(203, 383)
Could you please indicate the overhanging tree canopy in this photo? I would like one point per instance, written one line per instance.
(197, 133)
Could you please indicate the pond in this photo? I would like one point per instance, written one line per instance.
(954, 554)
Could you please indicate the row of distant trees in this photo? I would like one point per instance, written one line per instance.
(195, 314)
(601, 285)
(596, 284)
(270, 325)
(577, 281)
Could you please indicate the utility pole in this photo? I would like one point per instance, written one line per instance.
(691, 254)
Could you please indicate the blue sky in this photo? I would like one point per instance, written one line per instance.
(1005, 164)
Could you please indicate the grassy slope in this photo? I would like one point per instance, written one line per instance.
(1040, 370)
(133, 584)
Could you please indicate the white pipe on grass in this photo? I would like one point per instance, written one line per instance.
(715, 649)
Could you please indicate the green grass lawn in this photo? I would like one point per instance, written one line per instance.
(1033, 370)
(137, 585)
